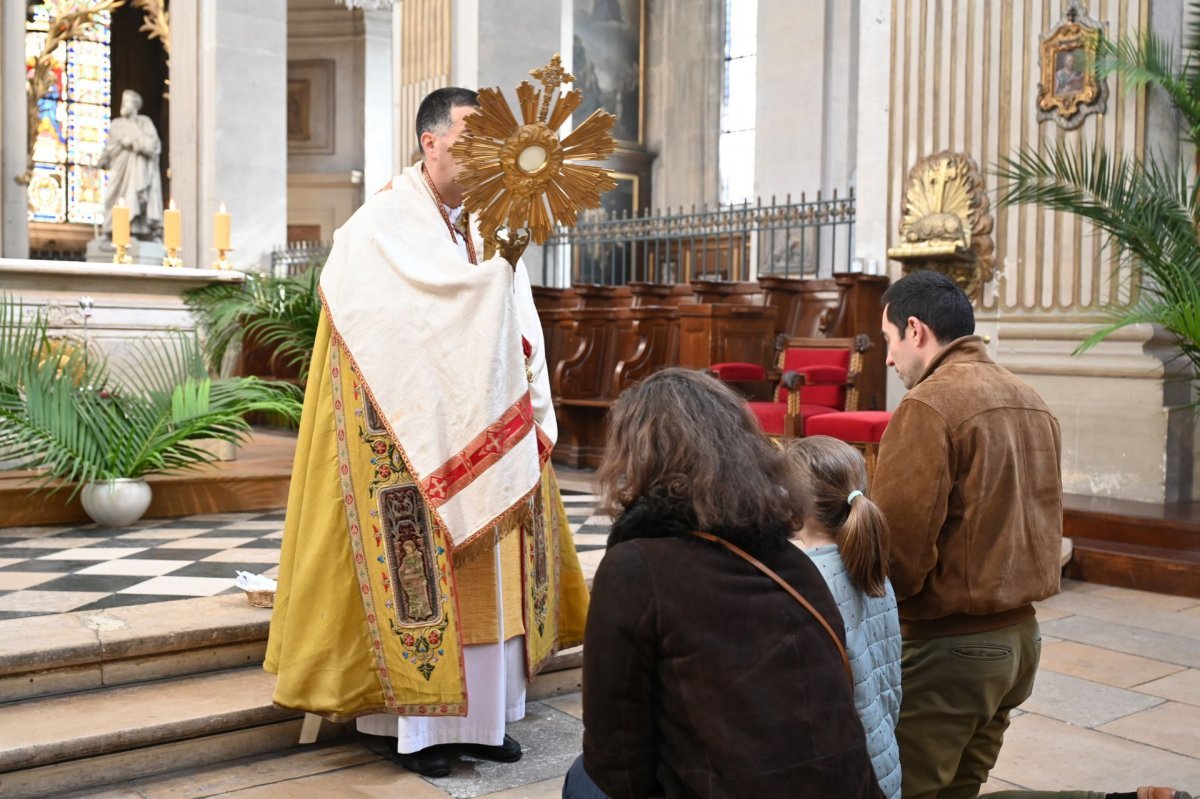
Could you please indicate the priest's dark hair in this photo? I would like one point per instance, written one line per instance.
(434, 115)
(682, 437)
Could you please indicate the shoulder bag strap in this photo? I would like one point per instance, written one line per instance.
(756, 563)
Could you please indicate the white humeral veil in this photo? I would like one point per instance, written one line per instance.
(435, 337)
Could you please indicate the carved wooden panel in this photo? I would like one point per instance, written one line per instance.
(711, 334)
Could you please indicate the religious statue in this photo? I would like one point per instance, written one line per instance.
(131, 156)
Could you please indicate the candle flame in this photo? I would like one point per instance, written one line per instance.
(222, 209)
(172, 205)
(120, 202)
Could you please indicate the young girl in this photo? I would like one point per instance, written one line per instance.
(846, 536)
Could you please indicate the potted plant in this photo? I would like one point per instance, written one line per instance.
(69, 415)
(1147, 207)
(271, 320)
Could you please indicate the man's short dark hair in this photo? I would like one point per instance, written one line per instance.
(934, 299)
(434, 114)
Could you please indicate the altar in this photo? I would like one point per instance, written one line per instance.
(108, 306)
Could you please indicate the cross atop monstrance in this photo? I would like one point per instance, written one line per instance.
(551, 77)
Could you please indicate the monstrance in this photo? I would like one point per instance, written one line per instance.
(520, 176)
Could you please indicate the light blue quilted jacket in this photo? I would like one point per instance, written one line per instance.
(873, 644)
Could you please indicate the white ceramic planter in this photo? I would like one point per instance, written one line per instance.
(116, 503)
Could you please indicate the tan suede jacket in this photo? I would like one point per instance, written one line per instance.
(969, 479)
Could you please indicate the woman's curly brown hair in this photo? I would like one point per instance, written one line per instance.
(684, 436)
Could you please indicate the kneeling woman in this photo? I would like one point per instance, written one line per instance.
(702, 676)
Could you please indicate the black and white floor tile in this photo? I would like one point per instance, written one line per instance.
(45, 570)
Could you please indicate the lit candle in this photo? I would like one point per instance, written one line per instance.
(221, 229)
(171, 227)
(120, 224)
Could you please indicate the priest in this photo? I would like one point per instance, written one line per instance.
(428, 570)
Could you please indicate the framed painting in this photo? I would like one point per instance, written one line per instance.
(1069, 88)
(608, 63)
(310, 106)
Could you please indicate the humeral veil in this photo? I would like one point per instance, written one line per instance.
(424, 445)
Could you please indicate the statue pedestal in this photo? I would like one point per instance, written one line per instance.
(145, 253)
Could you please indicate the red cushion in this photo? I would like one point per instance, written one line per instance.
(823, 374)
(770, 415)
(738, 371)
(852, 426)
(798, 359)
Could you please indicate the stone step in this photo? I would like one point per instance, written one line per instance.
(91, 698)
(58, 743)
(71, 652)
(51, 745)
(1164, 570)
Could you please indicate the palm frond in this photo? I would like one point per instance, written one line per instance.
(1149, 60)
(280, 314)
(149, 417)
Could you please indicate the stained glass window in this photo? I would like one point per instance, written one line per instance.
(72, 118)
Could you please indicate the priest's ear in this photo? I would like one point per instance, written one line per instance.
(426, 143)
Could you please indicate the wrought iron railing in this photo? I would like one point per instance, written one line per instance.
(295, 257)
(797, 239)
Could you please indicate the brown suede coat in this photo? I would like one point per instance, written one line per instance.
(703, 678)
(969, 479)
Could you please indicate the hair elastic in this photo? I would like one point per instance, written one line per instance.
(853, 494)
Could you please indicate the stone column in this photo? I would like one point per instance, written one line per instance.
(870, 157)
(514, 38)
(808, 75)
(684, 62)
(14, 227)
(379, 162)
(228, 132)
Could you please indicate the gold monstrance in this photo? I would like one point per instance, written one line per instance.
(518, 176)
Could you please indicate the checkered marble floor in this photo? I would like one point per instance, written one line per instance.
(46, 570)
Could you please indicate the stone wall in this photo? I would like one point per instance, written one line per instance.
(963, 76)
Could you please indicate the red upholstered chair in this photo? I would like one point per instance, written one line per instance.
(863, 429)
(815, 377)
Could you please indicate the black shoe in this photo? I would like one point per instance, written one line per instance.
(507, 752)
(427, 762)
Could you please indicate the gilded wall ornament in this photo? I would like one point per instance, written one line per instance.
(946, 226)
(1069, 89)
(519, 175)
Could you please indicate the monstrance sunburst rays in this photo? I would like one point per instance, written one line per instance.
(520, 175)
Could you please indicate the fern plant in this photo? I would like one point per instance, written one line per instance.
(65, 413)
(280, 314)
(1147, 208)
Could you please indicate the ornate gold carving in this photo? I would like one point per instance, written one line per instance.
(520, 175)
(1069, 89)
(946, 226)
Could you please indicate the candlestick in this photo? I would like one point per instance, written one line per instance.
(121, 256)
(120, 224)
(221, 221)
(222, 262)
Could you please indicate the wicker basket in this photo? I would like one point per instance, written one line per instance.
(261, 599)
